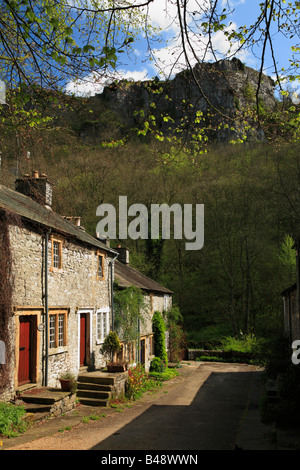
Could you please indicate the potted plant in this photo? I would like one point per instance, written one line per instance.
(68, 382)
(118, 366)
(111, 346)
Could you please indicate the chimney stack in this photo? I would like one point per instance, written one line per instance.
(75, 220)
(123, 254)
(105, 240)
(37, 186)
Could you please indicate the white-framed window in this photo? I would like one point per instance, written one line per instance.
(102, 324)
(52, 335)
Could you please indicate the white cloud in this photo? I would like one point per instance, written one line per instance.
(163, 14)
(94, 84)
(171, 60)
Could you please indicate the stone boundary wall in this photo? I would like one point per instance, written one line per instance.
(193, 354)
(120, 383)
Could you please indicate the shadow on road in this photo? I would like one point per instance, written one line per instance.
(212, 421)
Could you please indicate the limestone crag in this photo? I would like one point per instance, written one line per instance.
(220, 90)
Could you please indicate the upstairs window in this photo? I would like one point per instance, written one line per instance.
(100, 266)
(56, 254)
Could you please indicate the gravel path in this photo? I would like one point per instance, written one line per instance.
(204, 408)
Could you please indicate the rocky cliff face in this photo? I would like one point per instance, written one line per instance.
(225, 92)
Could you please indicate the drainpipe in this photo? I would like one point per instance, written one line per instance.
(46, 308)
(112, 289)
(138, 359)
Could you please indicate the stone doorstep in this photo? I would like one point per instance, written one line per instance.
(93, 386)
(41, 403)
(108, 378)
(101, 402)
(37, 412)
(44, 395)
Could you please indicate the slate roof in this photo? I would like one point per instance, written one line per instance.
(32, 211)
(128, 276)
(27, 208)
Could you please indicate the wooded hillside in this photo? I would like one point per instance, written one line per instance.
(250, 192)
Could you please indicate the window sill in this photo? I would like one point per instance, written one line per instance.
(56, 270)
(60, 350)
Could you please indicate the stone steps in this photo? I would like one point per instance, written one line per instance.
(95, 390)
(47, 401)
(44, 396)
(93, 386)
(94, 378)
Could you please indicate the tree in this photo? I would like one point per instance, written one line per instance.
(199, 22)
(49, 42)
(46, 44)
(53, 40)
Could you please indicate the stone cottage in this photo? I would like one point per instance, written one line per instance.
(56, 289)
(157, 298)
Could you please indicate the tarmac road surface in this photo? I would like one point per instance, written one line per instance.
(210, 406)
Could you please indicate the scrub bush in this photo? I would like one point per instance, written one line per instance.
(12, 421)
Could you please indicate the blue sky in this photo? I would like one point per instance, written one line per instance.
(166, 54)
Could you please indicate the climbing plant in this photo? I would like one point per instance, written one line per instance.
(130, 312)
(159, 328)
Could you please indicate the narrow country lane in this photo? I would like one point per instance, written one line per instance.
(208, 407)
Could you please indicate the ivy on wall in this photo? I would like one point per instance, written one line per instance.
(131, 311)
(159, 329)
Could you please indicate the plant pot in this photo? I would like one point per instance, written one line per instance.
(65, 385)
(116, 367)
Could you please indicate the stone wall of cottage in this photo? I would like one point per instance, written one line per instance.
(154, 302)
(74, 288)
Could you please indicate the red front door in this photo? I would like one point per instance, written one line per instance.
(83, 331)
(24, 350)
